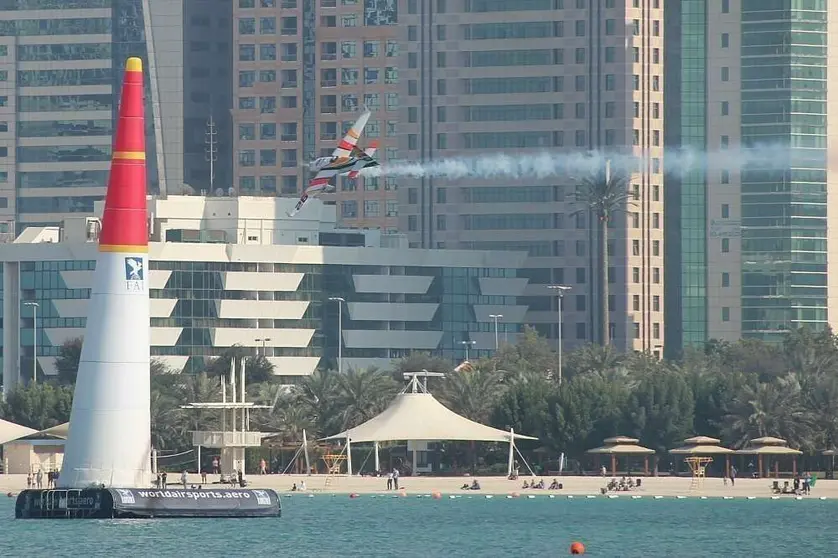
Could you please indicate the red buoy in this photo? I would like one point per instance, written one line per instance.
(577, 548)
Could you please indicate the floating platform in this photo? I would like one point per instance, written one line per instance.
(108, 503)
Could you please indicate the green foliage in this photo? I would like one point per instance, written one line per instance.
(733, 391)
(257, 368)
(67, 361)
(41, 406)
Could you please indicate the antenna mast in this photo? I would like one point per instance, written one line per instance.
(211, 149)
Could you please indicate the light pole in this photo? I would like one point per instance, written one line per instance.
(496, 317)
(560, 290)
(340, 302)
(265, 340)
(468, 344)
(35, 307)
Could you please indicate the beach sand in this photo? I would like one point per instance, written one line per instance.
(577, 486)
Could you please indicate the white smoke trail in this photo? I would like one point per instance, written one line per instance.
(573, 165)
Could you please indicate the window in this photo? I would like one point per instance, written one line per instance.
(656, 247)
(725, 245)
(725, 279)
(610, 55)
(656, 220)
(440, 32)
(725, 142)
(725, 40)
(348, 49)
(372, 49)
(656, 56)
(580, 330)
(635, 303)
(656, 28)
(441, 195)
(580, 28)
(635, 275)
(725, 178)
(635, 247)
(656, 83)
(267, 25)
(247, 131)
(610, 26)
(580, 275)
(636, 330)
(725, 73)
(580, 303)
(371, 208)
(656, 303)
(349, 20)
(267, 157)
(267, 52)
(656, 192)
(441, 223)
(392, 208)
(725, 211)
(656, 110)
(725, 6)
(247, 53)
(656, 330)
(656, 275)
(349, 208)
(580, 56)
(725, 108)
(267, 131)
(610, 82)
(725, 313)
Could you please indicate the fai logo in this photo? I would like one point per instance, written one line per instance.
(134, 275)
(134, 269)
(262, 498)
(126, 496)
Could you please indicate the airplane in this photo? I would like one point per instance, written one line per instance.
(346, 159)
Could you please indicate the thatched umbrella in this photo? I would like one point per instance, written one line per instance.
(622, 445)
(770, 446)
(704, 446)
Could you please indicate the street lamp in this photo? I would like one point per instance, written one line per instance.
(560, 290)
(496, 317)
(35, 307)
(265, 340)
(340, 302)
(468, 344)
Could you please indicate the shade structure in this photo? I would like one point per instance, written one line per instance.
(10, 431)
(701, 445)
(621, 445)
(420, 417)
(770, 446)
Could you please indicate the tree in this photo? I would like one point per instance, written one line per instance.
(319, 395)
(471, 394)
(67, 361)
(604, 193)
(38, 406)
(661, 409)
(364, 393)
(257, 368)
(524, 407)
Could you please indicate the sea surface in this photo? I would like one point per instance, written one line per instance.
(327, 525)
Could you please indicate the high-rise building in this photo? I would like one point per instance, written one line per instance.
(60, 65)
(304, 70)
(749, 247)
(483, 77)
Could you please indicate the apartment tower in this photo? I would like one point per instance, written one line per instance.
(483, 77)
(749, 251)
(60, 62)
(304, 71)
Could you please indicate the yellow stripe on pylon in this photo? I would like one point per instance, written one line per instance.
(132, 155)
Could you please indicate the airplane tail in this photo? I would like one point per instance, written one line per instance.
(370, 151)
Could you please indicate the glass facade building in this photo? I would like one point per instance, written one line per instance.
(61, 65)
(751, 74)
(208, 294)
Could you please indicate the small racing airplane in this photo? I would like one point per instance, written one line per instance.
(347, 158)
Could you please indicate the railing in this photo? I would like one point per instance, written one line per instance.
(219, 439)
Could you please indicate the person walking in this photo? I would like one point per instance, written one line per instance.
(183, 479)
(395, 479)
(390, 480)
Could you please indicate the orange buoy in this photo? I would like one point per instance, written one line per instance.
(577, 548)
(437, 495)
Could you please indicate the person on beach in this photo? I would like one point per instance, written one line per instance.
(395, 479)
(164, 478)
(215, 465)
(39, 479)
(390, 480)
(263, 467)
(29, 480)
(203, 477)
(732, 476)
(183, 479)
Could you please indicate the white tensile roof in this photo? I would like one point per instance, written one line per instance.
(9, 431)
(419, 416)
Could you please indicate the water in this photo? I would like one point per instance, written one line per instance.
(464, 527)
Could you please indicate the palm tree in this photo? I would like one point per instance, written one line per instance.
(318, 394)
(472, 394)
(364, 394)
(604, 193)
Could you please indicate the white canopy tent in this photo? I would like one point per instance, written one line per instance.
(10, 431)
(416, 415)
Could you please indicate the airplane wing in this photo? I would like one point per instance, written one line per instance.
(350, 140)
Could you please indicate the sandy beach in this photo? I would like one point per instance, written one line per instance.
(576, 486)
